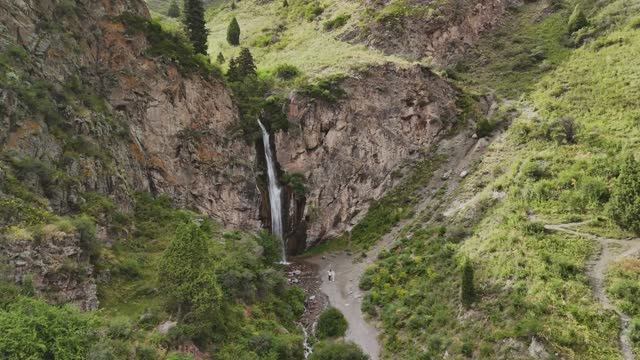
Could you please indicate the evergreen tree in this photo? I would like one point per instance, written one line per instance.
(195, 25)
(246, 65)
(232, 73)
(285, 3)
(233, 33)
(220, 59)
(174, 9)
(186, 275)
(467, 291)
(625, 200)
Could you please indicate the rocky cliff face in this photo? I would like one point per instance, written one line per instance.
(84, 101)
(441, 31)
(352, 151)
(161, 130)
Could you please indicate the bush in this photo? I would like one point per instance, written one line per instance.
(467, 289)
(331, 324)
(337, 350)
(484, 128)
(287, 72)
(625, 199)
(577, 20)
(337, 22)
(32, 329)
(169, 45)
(327, 89)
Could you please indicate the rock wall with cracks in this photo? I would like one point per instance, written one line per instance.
(161, 129)
(348, 151)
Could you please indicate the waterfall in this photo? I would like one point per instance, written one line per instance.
(275, 200)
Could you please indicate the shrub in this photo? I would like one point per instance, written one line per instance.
(484, 127)
(331, 324)
(337, 22)
(563, 130)
(625, 199)
(33, 329)
(577, 20)
(169, 45)
(467, 289)
(327, 89)
(337, 350)
(287, 72)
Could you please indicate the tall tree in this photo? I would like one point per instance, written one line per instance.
(246, 65)
(467, 291)
(195, 25)
(232, 73)
(186, 275)
(233, 32)
(174, 9)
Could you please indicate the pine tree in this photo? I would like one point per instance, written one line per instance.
(233, 33)
(246, 65)
(174, 9)
(195, 25)
(467, 291)
(232, 73)
(285, 3)
(220, 59)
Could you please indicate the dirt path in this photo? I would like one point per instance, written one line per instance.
(344, 293)
(612, 250)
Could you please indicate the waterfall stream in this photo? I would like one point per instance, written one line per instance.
(275, 200)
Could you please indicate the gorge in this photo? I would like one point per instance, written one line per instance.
(179, 178)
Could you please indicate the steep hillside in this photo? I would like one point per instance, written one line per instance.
(536, 219)
(118, 161)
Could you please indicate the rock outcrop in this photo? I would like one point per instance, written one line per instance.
(162, 129)
(349, 151)
(55, 266)
(441, 31)
(85, 107)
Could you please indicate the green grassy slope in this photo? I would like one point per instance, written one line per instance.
(295, 35)
(531, 283)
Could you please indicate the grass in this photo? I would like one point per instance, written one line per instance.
(279, 35)
(530, 282)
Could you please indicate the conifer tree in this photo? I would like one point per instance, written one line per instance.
(220, 59)
(467, 291)
(174, 9)
(246, 65)
(232, 73)
(285, 3)
(233, 33)
(195, 25)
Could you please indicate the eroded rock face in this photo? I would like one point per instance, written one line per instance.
(161, 129)
(349, 150)
(55, 265)
(164, 130)
(441, 32)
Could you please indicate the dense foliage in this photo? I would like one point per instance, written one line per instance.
(331, 324)
(337, 350)
(32, 329)
(174, 9)
(625, 199)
